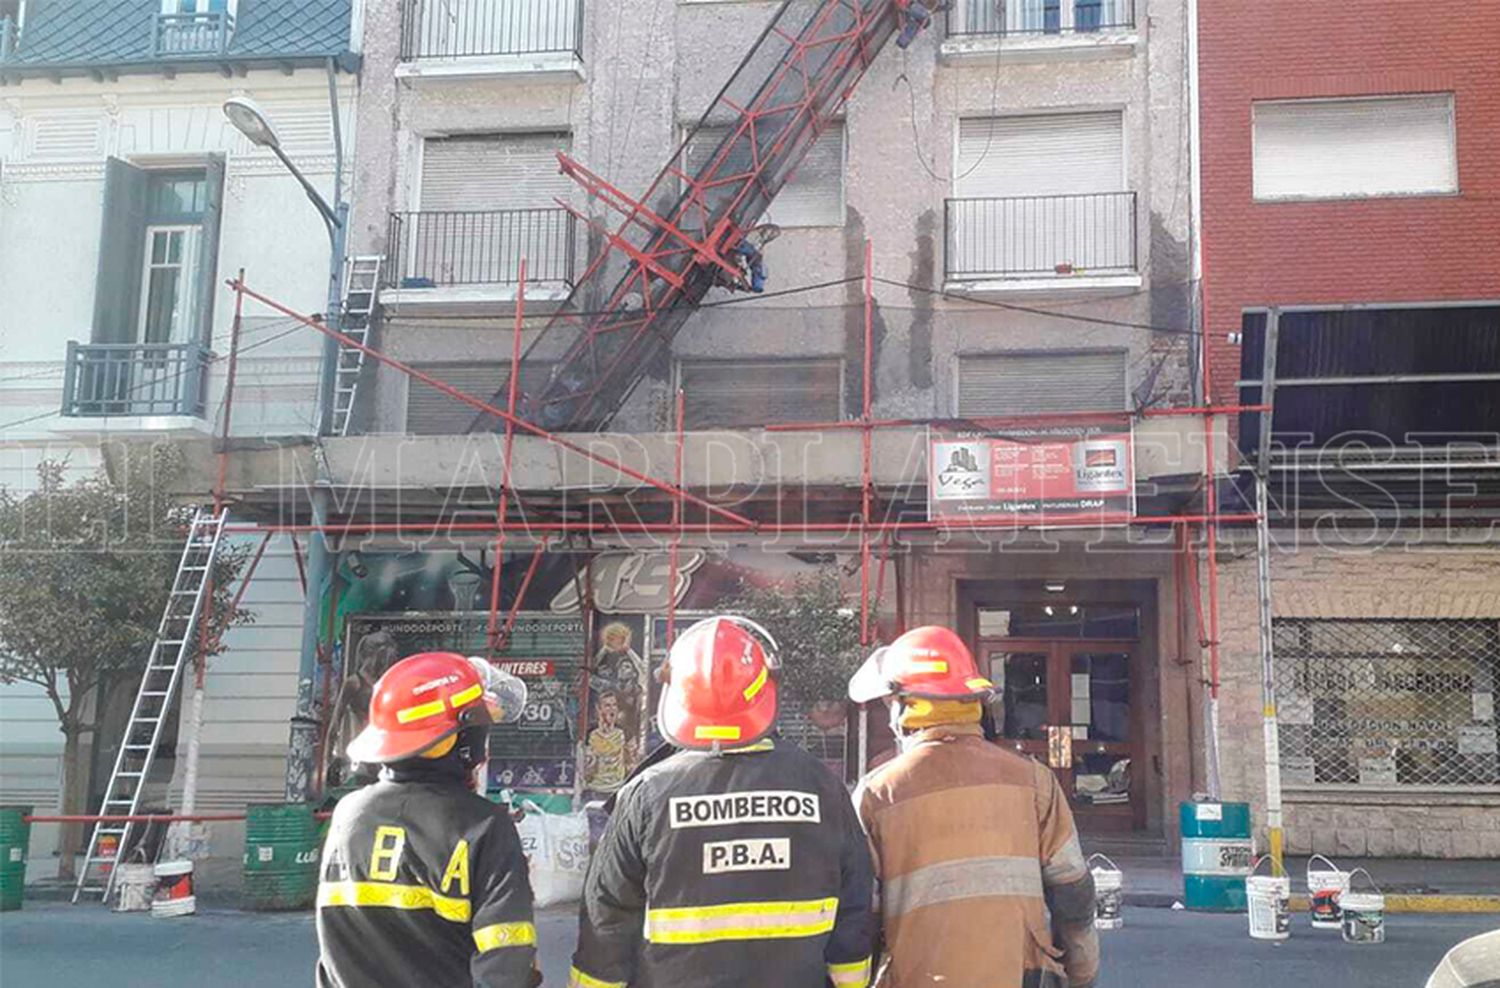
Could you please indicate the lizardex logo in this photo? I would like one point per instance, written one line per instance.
(744, 807)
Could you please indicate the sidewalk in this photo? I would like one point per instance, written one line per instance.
(1409, 884)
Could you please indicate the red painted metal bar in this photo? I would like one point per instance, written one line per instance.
(677, 520)
(229, 376)
(139, 818)
(499, 413)
(1039, 419)
(866, 466)
(297, 556)
(515, 606)
(492, 632)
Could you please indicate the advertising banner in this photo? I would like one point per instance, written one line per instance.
(1038, 473)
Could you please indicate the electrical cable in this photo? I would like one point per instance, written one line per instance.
(1032, 310)
(989, 138)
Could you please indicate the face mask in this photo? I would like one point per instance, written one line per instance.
(473, 753)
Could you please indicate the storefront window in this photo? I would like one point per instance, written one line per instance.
(1061, 620)
(1385, 704)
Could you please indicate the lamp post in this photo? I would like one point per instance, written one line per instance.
(248, 119)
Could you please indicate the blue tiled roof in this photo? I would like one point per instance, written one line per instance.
(122, 33)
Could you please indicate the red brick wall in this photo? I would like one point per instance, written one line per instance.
(1371, 250)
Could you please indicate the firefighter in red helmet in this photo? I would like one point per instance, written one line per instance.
(423, 880)
(976, 845)
(737, 861)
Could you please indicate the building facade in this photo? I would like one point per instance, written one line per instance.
(1350, 192)
(126, 200)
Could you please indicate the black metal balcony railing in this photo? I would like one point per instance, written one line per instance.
(1040, 235)
(431, 249)
(469, 28)
(205, 33)
(135, 379)
(971, 17)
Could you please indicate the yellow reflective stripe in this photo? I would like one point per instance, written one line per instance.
(711, 733)
(764, 744)
(856, 973)
(758, 685)
(577, 979)
(741, 921)
(418, 712)
(388, 895)
(504, 935)
(465, 696)
(979, 683)
(936, 665)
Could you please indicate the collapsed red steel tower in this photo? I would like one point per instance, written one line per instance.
(672, 245)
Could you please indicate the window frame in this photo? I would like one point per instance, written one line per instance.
(185, 314)
(1456, 190)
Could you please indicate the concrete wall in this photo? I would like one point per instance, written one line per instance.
(648, 73)
(1416, 582)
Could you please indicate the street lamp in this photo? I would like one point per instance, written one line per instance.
(250, 120)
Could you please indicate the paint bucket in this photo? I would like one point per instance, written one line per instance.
(1109, 893)
(1324, 887)
(135, 884)
(1363, 919)
(1269, 900)
(173, 895)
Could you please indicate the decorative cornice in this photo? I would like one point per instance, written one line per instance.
(53, 171)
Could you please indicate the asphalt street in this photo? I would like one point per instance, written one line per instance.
(57, 944)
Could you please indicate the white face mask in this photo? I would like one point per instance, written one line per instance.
(894, 707)
(477, 778)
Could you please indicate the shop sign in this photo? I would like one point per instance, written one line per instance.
(631, 582)
(1041, 474)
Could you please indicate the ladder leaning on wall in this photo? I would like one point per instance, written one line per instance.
(174, 645)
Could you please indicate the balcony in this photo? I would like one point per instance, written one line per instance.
(467, 39)
(152, 386)
(1076, 244)
(203, 33)
(470, 261)
(1040, 30)
(7, 37)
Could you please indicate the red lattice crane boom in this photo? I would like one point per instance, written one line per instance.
(672, 244)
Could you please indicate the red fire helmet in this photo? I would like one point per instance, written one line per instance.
(418, 702)
(932, 663)
(720, 685)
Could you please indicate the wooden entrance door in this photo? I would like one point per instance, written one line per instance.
(1069, 705)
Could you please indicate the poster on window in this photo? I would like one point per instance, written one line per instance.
(1038, 474)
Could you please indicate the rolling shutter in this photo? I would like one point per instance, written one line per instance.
(735, 393)
(430, 412)
(1054, 154)
(493, 171)
(813, 196)
(1038, 383)
(1357, 147)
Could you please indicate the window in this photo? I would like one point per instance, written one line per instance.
(11, 19)
(493, 171)
(1001, 384)
(430, 412)
(813, 196)
(746, 393)
(1382, 704)
(197, 6)
(1041, 194)
(168, 284)
(1038, 16)
(1321, 149)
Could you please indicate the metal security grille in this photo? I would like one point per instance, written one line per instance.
(1384, 704)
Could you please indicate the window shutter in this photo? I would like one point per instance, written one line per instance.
(430, 412)
(1356, 147)
(1003, 384)
(1053, 154)
(117, 287)
(493, 171)
(813, 196)
(208, 246)
(740, 393)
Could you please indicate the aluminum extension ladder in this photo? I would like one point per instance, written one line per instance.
(361, 289)
(175, 643)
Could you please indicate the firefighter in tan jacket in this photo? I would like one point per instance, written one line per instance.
(974, 845)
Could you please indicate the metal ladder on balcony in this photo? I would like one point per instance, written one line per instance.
(361, 290)
(175, 641)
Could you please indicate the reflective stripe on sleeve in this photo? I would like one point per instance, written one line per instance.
(577, 979)
(498, 935)
(855, 974)
(1067, 865)
(966, 878)
(388, 895)
(741, 921)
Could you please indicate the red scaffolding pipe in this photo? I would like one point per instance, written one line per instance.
(501, 509)
(499, 413)
(866, 467)
(515, 605)
(677, 521)
(1048, 418)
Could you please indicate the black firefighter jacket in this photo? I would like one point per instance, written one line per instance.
(423, 883)
(741, 870)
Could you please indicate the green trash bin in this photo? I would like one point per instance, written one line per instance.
(1216, 855)
(15, 839)
(282, 842)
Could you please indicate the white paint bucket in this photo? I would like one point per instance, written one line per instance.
(1109, 893)
(1363, 918)
(1324, 888)
(134, 886)
(174, 889)
(1269, 900)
